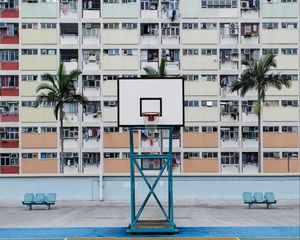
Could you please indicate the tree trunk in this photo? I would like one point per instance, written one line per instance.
(61, 144)
(259, 141)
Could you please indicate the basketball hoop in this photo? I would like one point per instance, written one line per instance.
(151, 120)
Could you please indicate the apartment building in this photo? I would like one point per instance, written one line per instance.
(204, 41)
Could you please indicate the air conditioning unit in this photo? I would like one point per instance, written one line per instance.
(112, 103)
(166, 25)
(233, 25)
(234, 31)
(245, 4)
(88, 25)
(3, 25)
(209, 103)
(276, 155)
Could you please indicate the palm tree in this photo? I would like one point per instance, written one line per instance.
(257, 76)
(60, 90)
(150, 71)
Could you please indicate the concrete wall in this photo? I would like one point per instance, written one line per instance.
(39, 10)
(280, 140)
(199, 88)
(120, 36)
(38, 36)
(118, 140)
(196, 140)
(201, 165)
(117, 188)
(200, 62)
(39, 140)
(199, 36)
(39, 166)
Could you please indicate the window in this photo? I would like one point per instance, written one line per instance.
(289, 25)
(270, 25)
(191, 103)
(110, 77)
(188, 155)
(248, 106)
(190, 26)
(219, 4)
(289, 51)
(229, 133)
(48, 52)
(30, 155)
(111, 1)
(229, 158)
(29, 26)
(9, 159)
(110, 103)
(249, 133)
(110, 129)
(190, 51)
(208, 26)
(209, 129)
(266, 51)
(92, 107)
(289, 129)
(91, 133)
(291, 77)
(209, 77)
(191, 129)
(213, 103)
(10, 55)
(71, 107)
(70, 132)
(208, 51)
(49, 155)
(111, 155)
(289, 103)
(270, 129)
(48, 104)
(29, 51)
(111, 52)
(29, 129)
(271, 103)
(29, 77)
(11, 81)
(111, 25)
(288, 1)
(48, 25)
(190, 77)
(48, 129)
(91, 81)
(9, 133)
(271, 155)
(129, 25)
(209, 155)
(91, 159)
(290, 154)
(29, 104)
(129, 52)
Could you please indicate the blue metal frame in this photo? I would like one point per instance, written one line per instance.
(169, 215)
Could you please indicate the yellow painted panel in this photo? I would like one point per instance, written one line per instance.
(287, 62)
(38, 114)
(27, 88)
(38, 62)
(201, 114)
(120, 36)
(38, 36)
(196, 88)
(280, 114)
(199, 62)
(199, 37)
(120, 62)
(109, 88)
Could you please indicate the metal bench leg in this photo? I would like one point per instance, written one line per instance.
(30, 207)
(49, 207)
(249, 205)
(268, 205)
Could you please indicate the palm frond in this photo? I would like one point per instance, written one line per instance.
(150, 71)
(47, 87)
(77, 98)
(162, 68)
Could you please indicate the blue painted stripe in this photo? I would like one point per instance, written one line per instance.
(121, 232)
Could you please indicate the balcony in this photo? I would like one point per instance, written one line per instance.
(9, 112)
(70, 59)
(229, 33)
(91, 137)
(199, 36)
(91, 85)
(120, 10)
(69, 33)
(38, 36)
(9, 33)
(68, 9)
(91, 60)
(225, 83)
(39, 140)
(92, 112)
(229, 111)
(200, 62)
(170, 10)
(170, 33)
(248, 111)
(200, 140)
(230, 162)
(250, 162)
(229, 59)
(91, 9)
(39, 9)
(9, 85)
(9, 10)
(250, 137)
(149, 9)
(229, 137)
(9, 137)
(249, 9)
(250, 33)
(91, 33)
(119, 140)
(149, 33)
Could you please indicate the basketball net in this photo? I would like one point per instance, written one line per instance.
(151, 119)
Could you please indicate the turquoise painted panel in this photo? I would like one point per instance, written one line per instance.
(117, 188)
(39, 10)
(289, 10)
(190, 9)
(119, 10)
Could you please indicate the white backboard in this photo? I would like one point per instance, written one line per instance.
(138, 95)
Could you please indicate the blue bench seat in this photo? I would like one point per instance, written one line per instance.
(39, 199)
(258, 198)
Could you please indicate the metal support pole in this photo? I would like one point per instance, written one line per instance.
(132, 176)
(170, 175)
